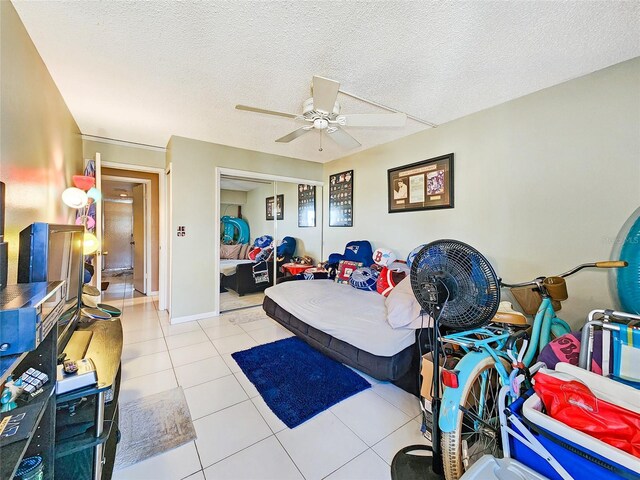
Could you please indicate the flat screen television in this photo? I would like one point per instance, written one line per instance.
(50, 252)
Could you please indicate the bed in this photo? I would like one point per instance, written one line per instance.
(348, 325)
(228, 267)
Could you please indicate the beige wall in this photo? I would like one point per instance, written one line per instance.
(40, 144)
(542, 183)
(233, 197)
(155, 215)
(308, 239)
(127, 154)
(193, 206)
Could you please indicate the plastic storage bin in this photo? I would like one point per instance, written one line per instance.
(581, 455)
(490, 468)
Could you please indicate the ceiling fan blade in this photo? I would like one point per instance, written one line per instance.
(293, 135)
(262, 110)
(343, 139)
(325, 92)
(373, 120)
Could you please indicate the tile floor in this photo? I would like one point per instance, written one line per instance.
(238, 436)
(230, 300)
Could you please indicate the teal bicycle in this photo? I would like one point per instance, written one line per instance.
(493, 356)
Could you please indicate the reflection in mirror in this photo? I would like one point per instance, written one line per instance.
(244, 242)
(283, 223)
(301, 226)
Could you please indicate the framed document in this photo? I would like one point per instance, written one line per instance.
(278, 208)
(423, 185)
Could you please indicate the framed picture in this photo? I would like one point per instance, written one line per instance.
(278, 208)
(341, 199)
(306, 205)
(425, 185)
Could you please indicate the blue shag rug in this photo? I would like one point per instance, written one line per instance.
(296, 380)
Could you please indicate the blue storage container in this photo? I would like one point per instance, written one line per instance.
(578, 461)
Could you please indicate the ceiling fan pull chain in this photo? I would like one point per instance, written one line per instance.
(320, 149)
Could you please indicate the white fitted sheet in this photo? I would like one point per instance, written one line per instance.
(228, 267)
(346, 313)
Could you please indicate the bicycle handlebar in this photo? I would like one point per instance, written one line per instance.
(605, 264)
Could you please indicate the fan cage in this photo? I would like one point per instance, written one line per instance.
(469, 277)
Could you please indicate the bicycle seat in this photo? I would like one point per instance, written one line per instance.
(507, 315)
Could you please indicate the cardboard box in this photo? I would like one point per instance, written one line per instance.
(427, 375)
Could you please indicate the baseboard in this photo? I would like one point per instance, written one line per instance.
(190, 318)
(155, 293)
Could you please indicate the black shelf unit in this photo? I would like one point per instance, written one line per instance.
(41, 438)
(84, 451)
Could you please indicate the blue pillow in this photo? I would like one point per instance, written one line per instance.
(359, 251)
(263, 241)
(287, 247)
(364, 278)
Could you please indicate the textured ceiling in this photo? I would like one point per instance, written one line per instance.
(143, 71)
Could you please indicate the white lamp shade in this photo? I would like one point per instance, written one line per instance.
(74, 197)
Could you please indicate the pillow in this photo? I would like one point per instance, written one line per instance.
(403, 310)
(388, 279)
(243, 251)
(253, 253)
(364, 279)
(345, 269)
(230, 251)
(384, 257)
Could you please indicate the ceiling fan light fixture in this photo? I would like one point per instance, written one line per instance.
(320, 123)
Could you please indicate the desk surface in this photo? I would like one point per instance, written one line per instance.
(105, 349)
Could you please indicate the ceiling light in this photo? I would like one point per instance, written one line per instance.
(123, 195)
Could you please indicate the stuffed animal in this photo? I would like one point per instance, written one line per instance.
(12, 390)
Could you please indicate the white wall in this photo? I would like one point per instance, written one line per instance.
(542, 183)
(193, 204)
(308, 239)
(126, 154)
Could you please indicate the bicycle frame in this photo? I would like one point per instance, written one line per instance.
(545, 323)
(477, 349)
(492, 345)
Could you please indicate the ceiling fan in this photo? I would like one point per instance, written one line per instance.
(322, 112)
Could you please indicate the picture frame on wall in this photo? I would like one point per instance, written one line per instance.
(425, 185)
(341, 199)
(306, 205)
(278, 208)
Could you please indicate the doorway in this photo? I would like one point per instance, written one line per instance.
(126, 233)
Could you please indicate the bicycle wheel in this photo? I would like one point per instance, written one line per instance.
(475, 434)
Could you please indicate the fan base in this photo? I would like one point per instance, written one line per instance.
(408, 466)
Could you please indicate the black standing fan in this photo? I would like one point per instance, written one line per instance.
(458, 288)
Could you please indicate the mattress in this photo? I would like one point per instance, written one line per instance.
(356, 317)
(228, 267)
(401, 368)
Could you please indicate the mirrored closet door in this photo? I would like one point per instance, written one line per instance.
(268, 231)
(246, 240)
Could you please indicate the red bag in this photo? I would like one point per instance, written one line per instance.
(572, 403)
